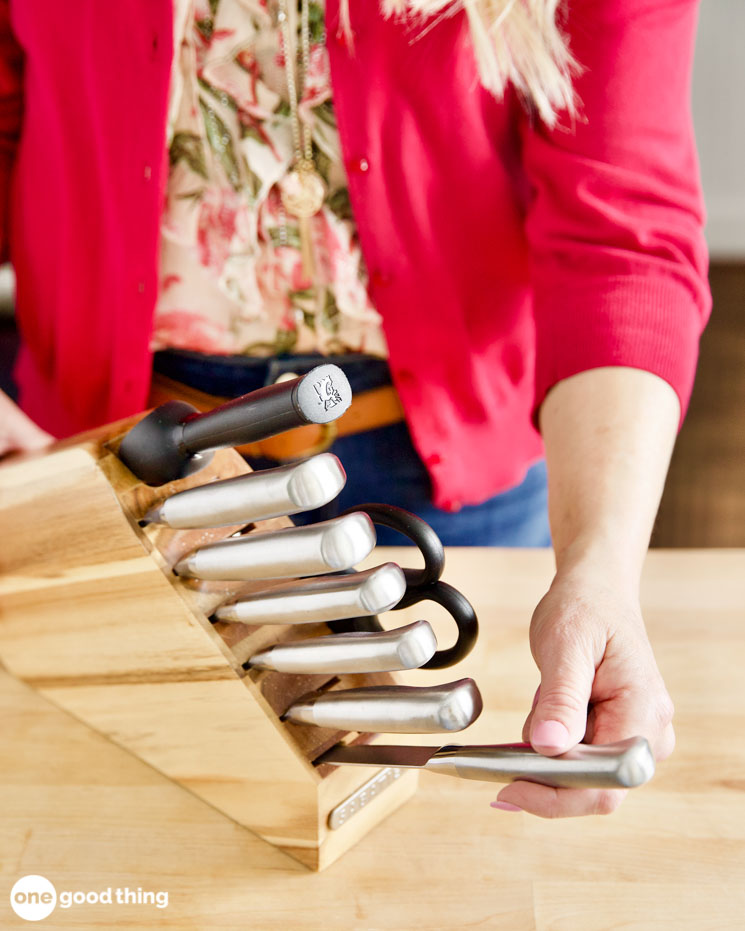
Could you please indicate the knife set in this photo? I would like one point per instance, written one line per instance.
(154, 587)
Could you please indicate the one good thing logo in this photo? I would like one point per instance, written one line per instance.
(34, 897)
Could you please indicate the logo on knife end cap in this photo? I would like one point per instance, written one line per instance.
(327, 393)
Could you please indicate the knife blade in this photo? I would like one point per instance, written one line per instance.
(626, 764)
(261, 495)
(174, 440)
(324, 598)
(395, 709)
(325, 547)
(383, 651)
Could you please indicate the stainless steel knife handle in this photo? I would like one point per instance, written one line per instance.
(395, 709)
(625, 764)
(326, 547)
(325, 598)
(276, 492)
(383, 651)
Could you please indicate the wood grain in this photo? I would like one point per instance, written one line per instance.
(87, 815)
(94, 618)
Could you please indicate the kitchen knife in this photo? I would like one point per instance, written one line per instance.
(404, 648)
(174, 439)
(625, 764)
(276, 492)
(326, 598)
(326, 547)
(396, 709)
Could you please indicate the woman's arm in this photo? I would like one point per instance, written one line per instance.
(618, 259)
(609, 433)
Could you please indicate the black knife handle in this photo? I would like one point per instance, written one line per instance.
(319, 396)
(173, 440)
(152, 448)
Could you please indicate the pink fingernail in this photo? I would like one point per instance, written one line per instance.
(505, 806)
(550, 734)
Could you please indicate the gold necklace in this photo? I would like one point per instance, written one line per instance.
(302, 190)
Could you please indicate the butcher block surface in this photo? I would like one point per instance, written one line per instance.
(89, 816)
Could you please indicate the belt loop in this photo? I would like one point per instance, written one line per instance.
(273, 372)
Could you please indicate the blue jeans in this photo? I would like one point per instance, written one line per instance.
(381, 465)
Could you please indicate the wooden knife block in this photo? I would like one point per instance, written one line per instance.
(92, 616)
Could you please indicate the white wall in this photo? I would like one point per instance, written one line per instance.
(719, 116)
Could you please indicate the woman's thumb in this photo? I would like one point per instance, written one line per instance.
(559, 718)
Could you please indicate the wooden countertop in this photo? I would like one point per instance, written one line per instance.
(88, 816)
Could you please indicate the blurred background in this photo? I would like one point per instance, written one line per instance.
(704, 499)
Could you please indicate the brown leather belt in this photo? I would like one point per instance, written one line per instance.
(379, 407)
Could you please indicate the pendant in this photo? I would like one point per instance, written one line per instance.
(302, 190)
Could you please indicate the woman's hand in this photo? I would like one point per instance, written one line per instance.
(608, 434)
(18, 433)
(588, 640)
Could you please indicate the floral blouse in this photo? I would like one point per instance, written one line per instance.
(231, 278)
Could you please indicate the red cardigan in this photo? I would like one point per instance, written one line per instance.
(503, 256)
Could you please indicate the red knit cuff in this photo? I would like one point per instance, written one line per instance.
(634, 321)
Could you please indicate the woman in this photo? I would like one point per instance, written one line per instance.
(533, 256)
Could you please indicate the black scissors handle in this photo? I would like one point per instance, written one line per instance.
(459, 608)
(424, 584)
(420, 534)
